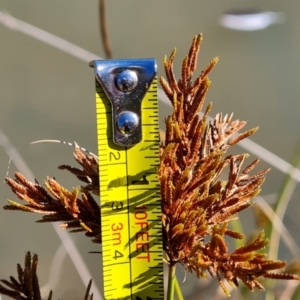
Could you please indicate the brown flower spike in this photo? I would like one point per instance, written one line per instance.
(26, 285)
(60, 205)
(197, 204)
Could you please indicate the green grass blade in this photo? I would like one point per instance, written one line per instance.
(283, 199)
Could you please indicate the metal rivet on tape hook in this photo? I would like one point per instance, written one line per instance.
(125, 83)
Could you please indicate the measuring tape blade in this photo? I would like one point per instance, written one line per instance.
(128, 151)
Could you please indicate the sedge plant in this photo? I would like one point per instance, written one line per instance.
(202, 188)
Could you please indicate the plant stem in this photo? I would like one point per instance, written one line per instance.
(171, 281)
(177, 289)
(269, 294)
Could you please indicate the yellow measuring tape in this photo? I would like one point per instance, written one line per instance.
(128, 151)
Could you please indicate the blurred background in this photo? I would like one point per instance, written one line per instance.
(46, 93)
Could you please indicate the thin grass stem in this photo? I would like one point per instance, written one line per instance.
(283, 199)
(178, 289)
(171, 282)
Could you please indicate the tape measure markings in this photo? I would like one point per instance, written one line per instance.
(131, 232)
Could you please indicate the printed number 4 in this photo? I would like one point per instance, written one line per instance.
(118, 254)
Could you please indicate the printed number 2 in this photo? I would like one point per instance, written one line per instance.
(115, 156)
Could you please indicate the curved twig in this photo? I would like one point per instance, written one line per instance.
(103, 30)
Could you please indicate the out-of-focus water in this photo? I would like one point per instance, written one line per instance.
(45, 93)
